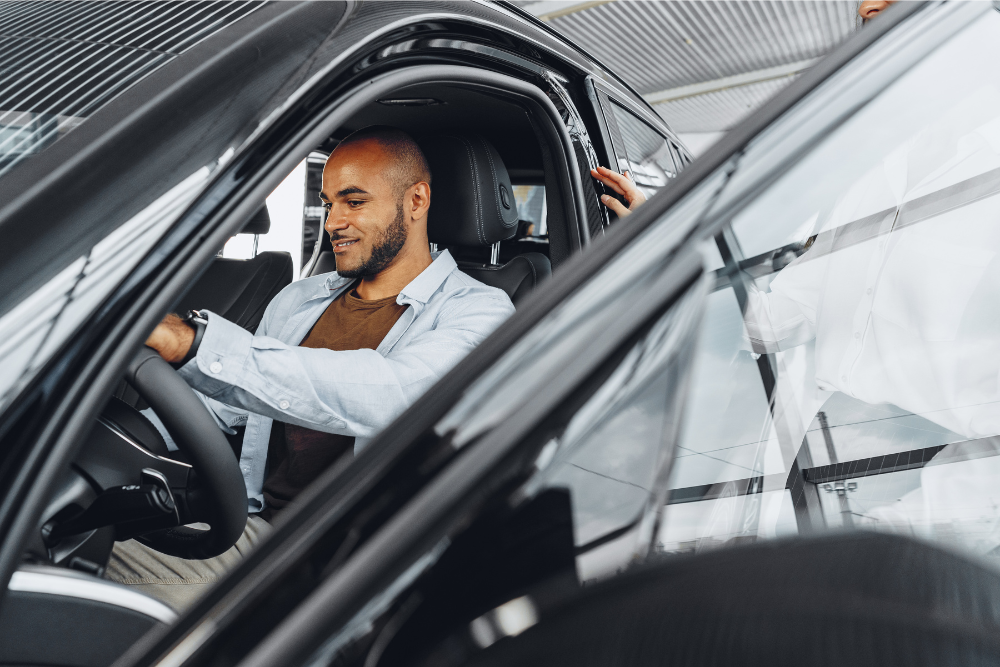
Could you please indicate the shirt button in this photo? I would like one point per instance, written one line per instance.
(868, 291)
(284, 405)
(844, 378)
(216, 367)
(857, 335)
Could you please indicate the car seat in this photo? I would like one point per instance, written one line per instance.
(240, 289)
(472, 207)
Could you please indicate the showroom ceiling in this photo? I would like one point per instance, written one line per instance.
(703, 64)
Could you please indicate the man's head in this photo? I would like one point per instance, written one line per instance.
(376, 186)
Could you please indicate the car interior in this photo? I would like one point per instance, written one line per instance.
(495, 207)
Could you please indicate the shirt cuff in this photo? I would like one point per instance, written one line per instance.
(221, 357)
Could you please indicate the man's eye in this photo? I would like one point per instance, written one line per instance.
(354, 203)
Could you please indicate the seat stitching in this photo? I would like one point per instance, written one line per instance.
(480, 228)
(534, 276)
(496, 182)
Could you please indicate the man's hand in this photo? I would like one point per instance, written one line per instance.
(172, 338)
(621, 184)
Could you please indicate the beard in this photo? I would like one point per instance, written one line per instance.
(386, 247)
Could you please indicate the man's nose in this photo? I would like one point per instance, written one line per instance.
(870, 8)
(335, 221)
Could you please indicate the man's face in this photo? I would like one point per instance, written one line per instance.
(366, 220)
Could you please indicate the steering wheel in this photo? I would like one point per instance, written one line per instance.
(219, 498)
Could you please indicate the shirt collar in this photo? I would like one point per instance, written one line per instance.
(420, 288)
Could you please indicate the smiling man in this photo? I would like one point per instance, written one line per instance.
(337, 356)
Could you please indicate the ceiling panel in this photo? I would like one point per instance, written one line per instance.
(659, 46)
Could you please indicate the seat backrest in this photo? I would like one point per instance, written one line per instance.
(517, 277)
(472, 205)
(240, 289)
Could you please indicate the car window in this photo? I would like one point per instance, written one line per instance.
(532, 210)
(649, 153)
(61, 63)
(285, 207)
(848, 374)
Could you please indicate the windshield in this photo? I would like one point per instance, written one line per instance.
(849, 370)
(61, 62)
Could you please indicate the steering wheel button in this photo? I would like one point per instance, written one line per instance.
(216, 367)
(284, 405)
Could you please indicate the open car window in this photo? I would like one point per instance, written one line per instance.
(849, 366)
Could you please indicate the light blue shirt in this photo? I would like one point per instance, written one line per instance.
(253, 379)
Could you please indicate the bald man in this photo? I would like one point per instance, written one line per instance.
(337, 357)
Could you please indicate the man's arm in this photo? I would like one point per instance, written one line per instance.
(355, 392)
(623, 185)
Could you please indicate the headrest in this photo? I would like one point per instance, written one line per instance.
(259, 223)
(472, 200)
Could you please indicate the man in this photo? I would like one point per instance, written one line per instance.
(337, 357)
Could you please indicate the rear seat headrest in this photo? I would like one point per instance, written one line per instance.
(472, 200)
(259, 223)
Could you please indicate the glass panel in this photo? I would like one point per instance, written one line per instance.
(39, 325)
(531, 210)
(284, 206)
(724, 378)
(867, 279)
(648, 152)
(61, 63)
(613, 453)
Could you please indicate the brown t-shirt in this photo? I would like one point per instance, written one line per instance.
(297, 455)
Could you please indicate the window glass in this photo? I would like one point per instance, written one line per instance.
(285, 207)
(849, 371)
(531, 210)
(60, 63)
(34, 329)
(648, 152)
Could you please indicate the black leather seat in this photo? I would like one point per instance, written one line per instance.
(473, 210)
(240, 289)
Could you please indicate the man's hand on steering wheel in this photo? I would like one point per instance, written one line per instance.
(623, 185)
(172, 338)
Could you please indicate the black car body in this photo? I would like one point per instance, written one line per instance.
(547, 458)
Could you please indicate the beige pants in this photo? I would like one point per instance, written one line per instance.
(178, 582)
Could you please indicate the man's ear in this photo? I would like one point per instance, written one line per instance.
(420, 200)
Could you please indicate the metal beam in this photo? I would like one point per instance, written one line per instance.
(550, 9)
(726, 82)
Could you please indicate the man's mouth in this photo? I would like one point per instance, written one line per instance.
(343, 244)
